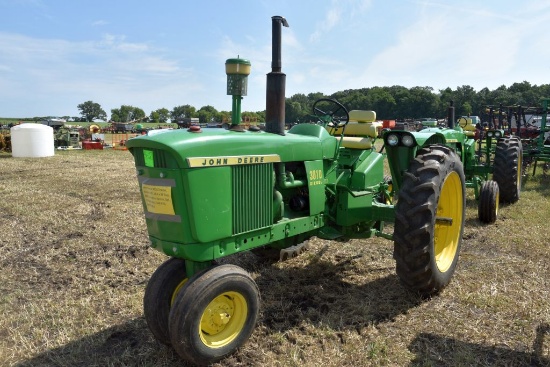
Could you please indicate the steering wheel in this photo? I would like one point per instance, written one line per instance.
(331, 112)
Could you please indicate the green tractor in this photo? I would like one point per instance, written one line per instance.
(483, 152)
(65, 137)
(538, 147)
(280, 188)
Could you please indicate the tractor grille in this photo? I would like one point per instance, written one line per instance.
(158, 157)
(252, 197)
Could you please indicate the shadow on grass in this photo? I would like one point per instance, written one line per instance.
(436, 350)
(333, 295)
(539, 183)
(127, 344)
(474, 221)
(321, 292)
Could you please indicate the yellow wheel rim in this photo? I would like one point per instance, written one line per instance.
(496, 204)
(176, 291)
(389, 197)
(448, 221)
(223, 319)
(520, 167)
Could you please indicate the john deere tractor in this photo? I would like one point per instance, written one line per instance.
(483, 152)
(538, 146)
(66, 137)
(280, 188)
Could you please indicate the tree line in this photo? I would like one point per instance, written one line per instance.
(401, 103)
(91, 111)
(390, 103)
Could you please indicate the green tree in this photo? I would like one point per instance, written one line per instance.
(426, 102)
(160, 115)
(180, 112)
(261, 116)
(224, 116)
(91, 111)
(207, 114)
(127, 113)
(382, 102)
(466, 109)
(293, 111)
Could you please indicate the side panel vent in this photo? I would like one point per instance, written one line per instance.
(252, 197)
(154, 156)
(160, 158)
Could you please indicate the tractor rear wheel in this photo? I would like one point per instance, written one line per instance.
(487, 210)
(214, 314)
(160, 293)
(507, 168)
(429, 220)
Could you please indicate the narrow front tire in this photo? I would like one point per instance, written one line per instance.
(159, 295)
(487, 209)
(214, 314)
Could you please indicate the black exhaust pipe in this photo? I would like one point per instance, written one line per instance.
(276, 83)
(451, 115)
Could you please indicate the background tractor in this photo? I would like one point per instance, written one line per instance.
(280, 189)
(5, 142)
(483, 152)
(66, 137)
(538, 144)
(529, 125)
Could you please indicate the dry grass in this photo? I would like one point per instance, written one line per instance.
(75, 260)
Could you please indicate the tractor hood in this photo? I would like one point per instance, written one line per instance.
(438, 136)
(214, 142)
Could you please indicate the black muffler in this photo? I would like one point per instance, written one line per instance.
(276, 83)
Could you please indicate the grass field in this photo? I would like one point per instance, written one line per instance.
(75, 260)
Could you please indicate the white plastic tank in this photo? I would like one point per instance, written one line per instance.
(31, 141)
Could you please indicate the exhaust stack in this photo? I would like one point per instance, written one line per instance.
(451, 115)
(276, 82)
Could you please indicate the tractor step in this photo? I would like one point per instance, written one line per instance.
(293, 251)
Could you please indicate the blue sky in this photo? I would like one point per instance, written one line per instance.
(57, 54)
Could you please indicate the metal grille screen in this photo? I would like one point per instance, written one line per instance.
(252, 197)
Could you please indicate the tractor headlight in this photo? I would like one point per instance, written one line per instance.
(498, 135)
(392, 140)
(407, 140)
(490, 134)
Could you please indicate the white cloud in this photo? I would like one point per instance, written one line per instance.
(99, 23)
(109, 71)
(5, 68)
(449, 47)
(336, 13)
(118, 42)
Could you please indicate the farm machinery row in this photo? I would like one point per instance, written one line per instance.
(530, 125)
(324, 179)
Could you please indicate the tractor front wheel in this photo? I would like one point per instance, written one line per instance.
(160, 293)
(507, 168)
(214, 314)
(429, 220)
(487, 209)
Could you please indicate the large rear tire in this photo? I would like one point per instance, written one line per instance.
(507, 168)
(214, 314)
(160, 293)
(429, 220)
(487, 209)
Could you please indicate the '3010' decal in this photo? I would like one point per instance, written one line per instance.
(315, 177)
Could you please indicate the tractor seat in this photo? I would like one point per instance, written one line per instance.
(360, 131)
(469, 128)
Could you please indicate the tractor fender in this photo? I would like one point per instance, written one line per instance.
(425, 138)
(401, 155)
